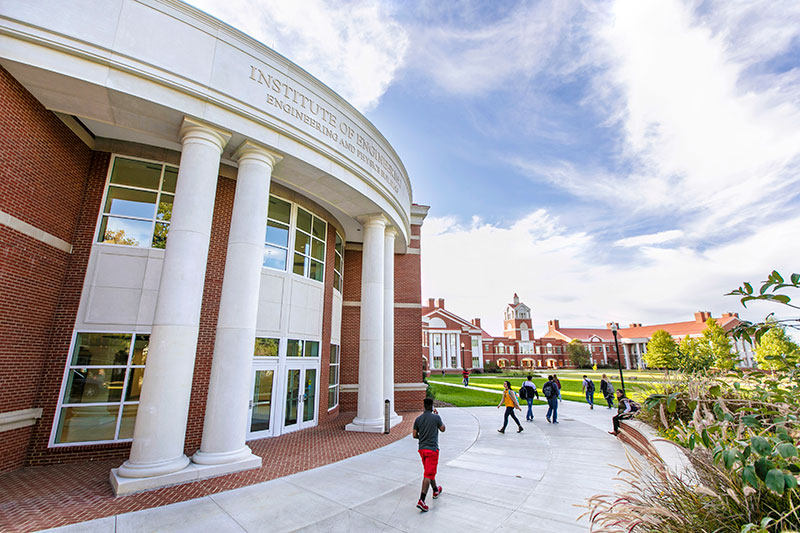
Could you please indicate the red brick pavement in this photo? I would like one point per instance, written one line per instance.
(42, 497)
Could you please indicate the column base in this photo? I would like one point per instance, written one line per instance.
(372, 425)
(193, 472)
(221, 458)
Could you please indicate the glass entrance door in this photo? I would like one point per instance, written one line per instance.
(301, 398)
(261, 404)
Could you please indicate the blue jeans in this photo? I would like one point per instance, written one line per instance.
(529, 416)
(552, 408)
(590, 397)
(509, 412)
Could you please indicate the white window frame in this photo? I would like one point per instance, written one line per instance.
(101, 214)
(293, 251)
(67, 366)
(341, 263)
(335, 386)
(290, 249)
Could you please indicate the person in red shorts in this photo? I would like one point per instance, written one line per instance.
(426, 429)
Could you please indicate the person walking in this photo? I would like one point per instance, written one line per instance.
(626, 409)
(558, 384)
(511, 403)
(607, 390)
(426, 429)
(550, 391)
(465, 376)
(588, 390)
(527, 392)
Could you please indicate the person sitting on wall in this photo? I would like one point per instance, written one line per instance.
(626, 409)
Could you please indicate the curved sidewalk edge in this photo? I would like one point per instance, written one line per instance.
(532, 481)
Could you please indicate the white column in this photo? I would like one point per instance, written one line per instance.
(605, 355)
(229, 391)
(160, 429)
(369, 417)
(388, 322)
(627, 358)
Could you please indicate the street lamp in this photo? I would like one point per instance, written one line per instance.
(463, 363)
(619, 363)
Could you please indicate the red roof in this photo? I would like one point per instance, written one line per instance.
(677, 329)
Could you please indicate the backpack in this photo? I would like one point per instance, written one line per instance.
(635, 407)
(523, 393)
(548, 391)
(590, 386)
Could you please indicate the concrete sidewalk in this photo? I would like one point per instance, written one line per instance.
(530, 481)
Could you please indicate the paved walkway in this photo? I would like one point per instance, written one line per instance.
(513, 482)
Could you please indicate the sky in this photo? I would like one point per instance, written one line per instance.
(625, 160)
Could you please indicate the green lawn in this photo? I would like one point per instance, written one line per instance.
(571, 385)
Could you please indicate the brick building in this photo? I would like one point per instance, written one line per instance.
(634, 338)
(200, 245)
(451, 343)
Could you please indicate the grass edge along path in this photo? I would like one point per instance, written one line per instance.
(461, 396)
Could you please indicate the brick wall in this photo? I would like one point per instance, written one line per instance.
(209, 312)
(351, 317)
(43, 173)
(63, 323)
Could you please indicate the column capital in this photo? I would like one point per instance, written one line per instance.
(376, 219)
(253, 150)
(197, 130)
(391, 231)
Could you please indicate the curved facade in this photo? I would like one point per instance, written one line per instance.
(206, 245)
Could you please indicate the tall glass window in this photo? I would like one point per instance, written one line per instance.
(297, 348)
(266, 347)
(338, 259)
(276, 249)
(476, 358)
(138, 203)
(452, 349)
(333, 378)
(436, 349)
(309, 246)
(101, 388)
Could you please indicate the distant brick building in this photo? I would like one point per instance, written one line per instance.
(633, 339)
(451, 343)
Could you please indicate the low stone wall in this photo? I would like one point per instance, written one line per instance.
(657, 450)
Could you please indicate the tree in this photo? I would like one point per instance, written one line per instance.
(776, 351)
(720, 345)
(578, 353)
(661, 350)
(693, 355)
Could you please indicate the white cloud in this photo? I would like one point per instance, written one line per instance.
(468, 55)
(356, 47)
(562, 274)
(653, 238)
(690, 124)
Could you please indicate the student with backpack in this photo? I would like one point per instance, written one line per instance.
(528, 392)
(588, 390)
(550, 391)
(511, 403)
(626, 409)
(558, 385)
(607, 390)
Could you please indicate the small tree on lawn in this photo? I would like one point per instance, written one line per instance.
(776, 350)
(693, 355)
(720, 345)
(661, 350)
(578, 353)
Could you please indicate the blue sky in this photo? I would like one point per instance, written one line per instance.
(627, 160)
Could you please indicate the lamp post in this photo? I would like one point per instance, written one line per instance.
(619, 363)
(463, 363)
